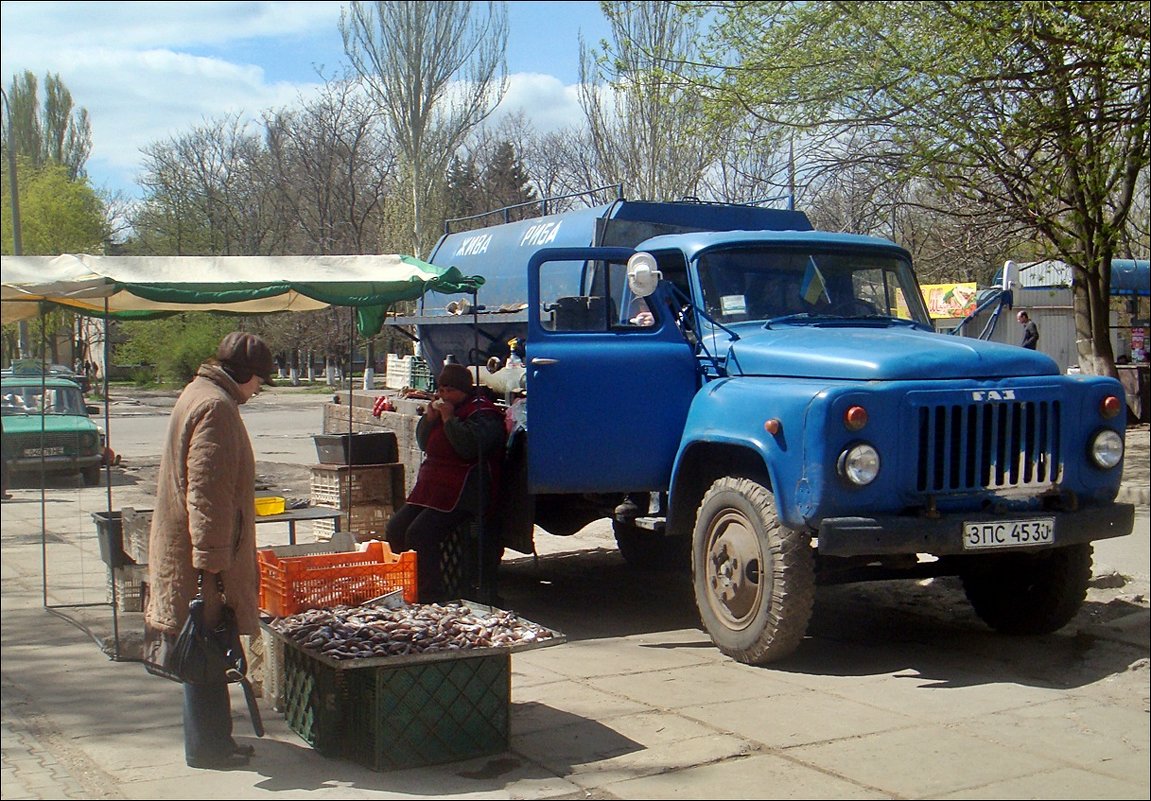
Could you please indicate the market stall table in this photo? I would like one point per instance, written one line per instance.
(293, 516)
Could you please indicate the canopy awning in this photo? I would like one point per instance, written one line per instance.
(150, 286)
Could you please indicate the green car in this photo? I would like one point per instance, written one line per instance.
(46, 426)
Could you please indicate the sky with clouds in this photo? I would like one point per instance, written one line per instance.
(146, 71)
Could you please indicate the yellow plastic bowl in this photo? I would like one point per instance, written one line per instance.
(270, 505)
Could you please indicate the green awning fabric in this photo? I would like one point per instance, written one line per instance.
(143, 286)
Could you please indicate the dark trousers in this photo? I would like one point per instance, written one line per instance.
(207, 721)
(423, 530)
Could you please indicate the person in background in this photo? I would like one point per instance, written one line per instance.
(642, 315)
(204, 525)
(461, 433)
(1030, 330)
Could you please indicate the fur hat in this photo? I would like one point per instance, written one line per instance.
(244, 355)
(455, 376)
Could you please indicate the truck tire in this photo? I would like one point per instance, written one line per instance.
(754, 579)
(91, 476)
(649, 550)
(1029, 593)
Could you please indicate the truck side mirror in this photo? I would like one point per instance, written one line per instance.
(642, 274)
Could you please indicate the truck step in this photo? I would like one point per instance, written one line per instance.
(651, 523)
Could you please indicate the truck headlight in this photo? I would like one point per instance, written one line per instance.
(859, 464)
(1107, 449)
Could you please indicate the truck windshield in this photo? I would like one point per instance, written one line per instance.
(766, 284)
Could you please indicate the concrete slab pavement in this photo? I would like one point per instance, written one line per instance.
(897, 693)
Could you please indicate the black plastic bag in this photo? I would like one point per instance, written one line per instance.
(203, 655)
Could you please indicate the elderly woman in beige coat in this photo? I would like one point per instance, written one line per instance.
(204, 523)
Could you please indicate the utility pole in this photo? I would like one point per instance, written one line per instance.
(17, 244)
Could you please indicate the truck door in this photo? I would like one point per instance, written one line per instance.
(608, 387)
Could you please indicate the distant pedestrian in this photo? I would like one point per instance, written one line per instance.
(1030, 330)
(204, 527)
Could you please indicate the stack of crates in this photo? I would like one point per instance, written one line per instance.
(407, 371)
(368, 494)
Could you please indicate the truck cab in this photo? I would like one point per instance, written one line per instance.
(778, 397)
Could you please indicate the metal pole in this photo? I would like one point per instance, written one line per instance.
(17, 241)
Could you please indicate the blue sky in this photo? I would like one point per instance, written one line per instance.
(148, 70)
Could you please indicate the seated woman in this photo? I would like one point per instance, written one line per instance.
(462, 434)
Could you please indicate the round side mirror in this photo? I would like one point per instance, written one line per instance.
(642, 274)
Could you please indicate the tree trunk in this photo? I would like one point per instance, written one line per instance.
(1093, 322)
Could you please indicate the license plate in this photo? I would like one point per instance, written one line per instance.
(55, 450)
(1008, 533)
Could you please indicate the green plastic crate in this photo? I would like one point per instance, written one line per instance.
(417, 711)
(426, 714)
(313, 699)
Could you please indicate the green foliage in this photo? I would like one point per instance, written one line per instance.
(175, 346)
(1036, 111)
(55, 132)
(462, 194)
(57, 214)
(506, 182)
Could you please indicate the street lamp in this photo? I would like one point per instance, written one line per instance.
(17, 245)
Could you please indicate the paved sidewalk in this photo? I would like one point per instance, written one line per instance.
(909, 698)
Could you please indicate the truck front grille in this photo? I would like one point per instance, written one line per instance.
(966, 448)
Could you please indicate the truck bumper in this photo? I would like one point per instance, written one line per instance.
(875, 536)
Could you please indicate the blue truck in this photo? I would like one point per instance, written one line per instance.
(770, 405)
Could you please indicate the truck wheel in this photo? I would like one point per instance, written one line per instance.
(648, 550)
(91, 476)
(1029, 593)
(754, 579)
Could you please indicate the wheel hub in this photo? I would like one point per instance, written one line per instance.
(734, 577)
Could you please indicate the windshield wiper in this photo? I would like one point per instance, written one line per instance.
(800, 317)
(805, 318)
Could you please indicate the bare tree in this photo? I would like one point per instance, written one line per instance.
(647, 120)
(560, 164)
(208, 195)
(437, 70)
(331, 166)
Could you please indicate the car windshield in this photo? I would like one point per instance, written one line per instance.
(34, 399)
(770, 284)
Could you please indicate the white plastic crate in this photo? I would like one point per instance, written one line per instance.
(272, 686)
(131, 587)
(382, 483)
(367, 521)
(399, 372)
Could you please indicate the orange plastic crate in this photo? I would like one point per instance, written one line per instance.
(320, 581)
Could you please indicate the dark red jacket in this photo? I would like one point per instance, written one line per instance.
(448, 477)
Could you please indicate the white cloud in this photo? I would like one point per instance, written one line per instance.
(148, 71)
(544, 99)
